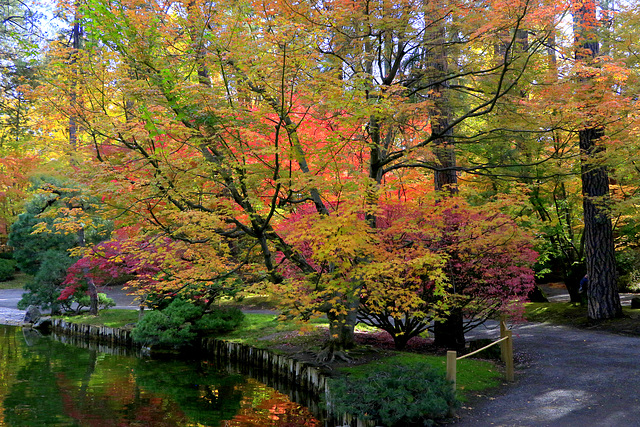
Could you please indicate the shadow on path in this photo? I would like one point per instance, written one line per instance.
(572, 377)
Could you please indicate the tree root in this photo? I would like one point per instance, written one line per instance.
(330, 355)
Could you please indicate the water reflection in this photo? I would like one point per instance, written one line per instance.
(47, 383)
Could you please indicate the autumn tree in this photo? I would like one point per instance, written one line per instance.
(45, 239)
(18, 68)
(602, 292)
(425, 259)
(211, 129)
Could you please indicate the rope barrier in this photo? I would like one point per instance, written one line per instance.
(483, 348)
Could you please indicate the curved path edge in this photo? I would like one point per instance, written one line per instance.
(564, 377)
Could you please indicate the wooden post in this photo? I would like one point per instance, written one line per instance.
(510, 375)
(503, 333)
(451, 368)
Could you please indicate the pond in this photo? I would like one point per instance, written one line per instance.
(44, 382)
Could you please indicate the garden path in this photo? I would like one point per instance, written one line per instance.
(564, 377)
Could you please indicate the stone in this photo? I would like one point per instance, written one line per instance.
(32, 315)
(43, 323)
(635, 302)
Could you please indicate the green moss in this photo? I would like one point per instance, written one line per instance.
(576, 315)
(558, 312)
(115, 318)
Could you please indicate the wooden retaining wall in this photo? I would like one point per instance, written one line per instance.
(305, 376)
(303, 382)
(102, 334)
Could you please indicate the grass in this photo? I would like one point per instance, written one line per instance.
(17, 283)
(473, 375)
(266, 331)
(114, 318)
(251, 302)
(576, 315)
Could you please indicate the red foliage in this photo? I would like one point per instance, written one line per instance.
(119, 260)
(422, 258)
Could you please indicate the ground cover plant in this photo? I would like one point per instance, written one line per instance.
(573, 314)
(396, 394)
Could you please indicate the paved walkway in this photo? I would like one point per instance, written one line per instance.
(9, 314)
(567, 377)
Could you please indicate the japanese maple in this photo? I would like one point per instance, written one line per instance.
(425, 260)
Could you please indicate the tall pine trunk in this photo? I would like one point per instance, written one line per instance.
(603, 300)
(602, 291)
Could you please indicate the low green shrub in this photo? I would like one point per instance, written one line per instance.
(6, 255)
(7, 269)
(157, 327)
(182, 322)
(401, 395)
(220, 321)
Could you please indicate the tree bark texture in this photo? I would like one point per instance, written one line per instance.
(603, 300)
(602, 291)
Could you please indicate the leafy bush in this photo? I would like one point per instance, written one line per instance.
(398, 396)
(7, 269)
(157, 327)
(44, 289)
(182, 322)
(628, 263)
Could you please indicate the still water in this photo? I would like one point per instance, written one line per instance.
(44, 382)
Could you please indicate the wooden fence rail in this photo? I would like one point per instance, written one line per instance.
(506, 354)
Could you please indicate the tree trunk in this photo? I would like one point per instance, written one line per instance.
(91, 286)
(341, 333)
(76, 34)
(449, 333)
(602, 292)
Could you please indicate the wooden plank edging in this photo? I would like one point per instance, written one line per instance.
(303, 375)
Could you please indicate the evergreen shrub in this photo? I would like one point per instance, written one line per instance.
(401, 395)
(182, 322)
(7, 269)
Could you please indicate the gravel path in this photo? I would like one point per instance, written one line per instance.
(571, 377)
